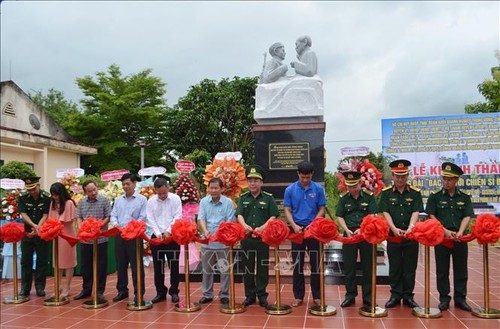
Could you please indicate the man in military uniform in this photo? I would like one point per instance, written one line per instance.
(453, 208)
(255, 209)
(401, 204)
(34, 208)
(353, 206)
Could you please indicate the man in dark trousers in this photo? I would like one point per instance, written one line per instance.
(353, 206)
(453, 208)
(401, 205)
(255, 209)
(34, 208)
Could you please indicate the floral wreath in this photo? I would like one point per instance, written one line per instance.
(9, 206)
(371, 177)
(232, 174)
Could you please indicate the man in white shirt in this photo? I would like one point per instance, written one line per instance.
(162, 210)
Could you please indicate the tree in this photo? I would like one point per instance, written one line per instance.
(120, 111)
(490, 89)
(55, 105)
(16, 169)
(215, 117)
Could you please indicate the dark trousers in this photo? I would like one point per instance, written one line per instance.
(349, 257)
(255, 261)
(87, 267)
(171, 251)
(298, 254)
(28, 247)
(459, 252)
(403, 259)
(125, 253)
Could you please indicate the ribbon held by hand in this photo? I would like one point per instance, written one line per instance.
(229, 233)
(429, 232)
(134, 229)
(322, 229)
(183, 231)
(275, 233)
(50, 229)
(90, 229)
(374, 229)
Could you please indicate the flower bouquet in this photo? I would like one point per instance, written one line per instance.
(112, 190)
(9, 206)
(69, 180)
(371, 177)
(147, 191)
(232, 174)
(186, 189)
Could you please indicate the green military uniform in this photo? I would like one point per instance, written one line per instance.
(256, 211)
(35, 209)
(403, 256)
(450, 210)
(353, 211)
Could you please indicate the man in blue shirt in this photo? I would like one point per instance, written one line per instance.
(130, 205)
(215, 209)
(304, 201)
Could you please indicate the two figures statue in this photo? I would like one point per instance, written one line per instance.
(295, 98)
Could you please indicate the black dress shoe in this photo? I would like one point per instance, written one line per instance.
(263, 302)
(205, 300)
(248, 301)
(392, 302)
(224, 300)
(410, 303)
(462, 304)
(81, 295)
(175, 298)
(158, 298)
(40, 292)
(367, 303)
(120, 296)
(24, 293)
(347, 302)
(443, 306)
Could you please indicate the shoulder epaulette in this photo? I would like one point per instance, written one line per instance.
(387, 188)
(344, 194)
(46, 193)
(416, 189)
(367, 192)
(436, 192)
(244, 193)
(267, 193)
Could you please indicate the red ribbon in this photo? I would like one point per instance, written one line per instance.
(50, 229)
(184, 231)
(12, 232)
(275, 233)
(486, 229)
(229, 233)
(374, 229)
(322, 229)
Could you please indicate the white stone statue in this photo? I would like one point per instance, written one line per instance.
(274, 68)
(308, 62)
(290, 99)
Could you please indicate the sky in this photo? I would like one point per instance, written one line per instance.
(377, 59)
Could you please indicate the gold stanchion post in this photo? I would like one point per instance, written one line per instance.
(140, 304)
(56, 300)
(427, 311)
(373, 311)
(278, 308)
(188, 306)
(16, 299)
(486, 312)
(97, 300)
(322, 309)
(232, 307)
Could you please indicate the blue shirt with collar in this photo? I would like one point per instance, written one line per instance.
(125, 209)
(305, 203)
(214, 214)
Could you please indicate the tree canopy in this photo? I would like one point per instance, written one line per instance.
(215, 117)
(118, 112)
(54, 103)
(490, 89)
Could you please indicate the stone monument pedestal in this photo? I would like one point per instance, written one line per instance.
(280, 147)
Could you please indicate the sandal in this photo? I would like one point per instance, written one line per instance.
(297, 302)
